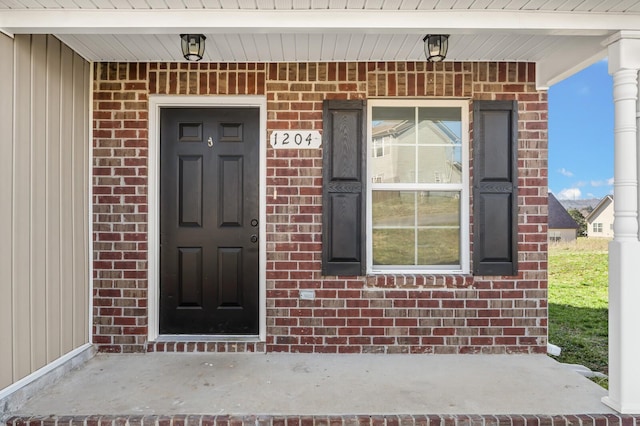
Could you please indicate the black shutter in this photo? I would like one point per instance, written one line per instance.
(343, 193)
(495, 187)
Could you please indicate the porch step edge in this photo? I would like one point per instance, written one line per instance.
(329, 420)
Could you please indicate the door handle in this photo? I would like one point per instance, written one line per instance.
(254, 238)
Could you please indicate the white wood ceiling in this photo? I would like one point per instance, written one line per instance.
(562, 36)
(314, 47)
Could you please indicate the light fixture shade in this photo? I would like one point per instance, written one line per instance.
(192, 46)
(435, 47)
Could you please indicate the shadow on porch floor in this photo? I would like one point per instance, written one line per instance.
(295, 385)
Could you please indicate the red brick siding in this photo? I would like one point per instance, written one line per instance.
(120, 154)
(387, 313)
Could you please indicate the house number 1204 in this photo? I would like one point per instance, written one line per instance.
(295, 139)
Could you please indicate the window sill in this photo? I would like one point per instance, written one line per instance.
(417, 272)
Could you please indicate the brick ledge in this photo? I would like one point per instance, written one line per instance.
(330, 420)
(213, 346)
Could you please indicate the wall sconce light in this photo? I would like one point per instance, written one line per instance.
(435, 47)
(192, 46)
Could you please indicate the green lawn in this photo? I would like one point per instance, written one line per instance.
(578, 283)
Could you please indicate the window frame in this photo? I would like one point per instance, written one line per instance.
(462, 187)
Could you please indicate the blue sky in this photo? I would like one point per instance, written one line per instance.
(581, 134)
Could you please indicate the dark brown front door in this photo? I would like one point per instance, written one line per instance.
(209, 220)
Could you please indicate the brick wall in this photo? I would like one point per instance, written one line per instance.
(386, 313)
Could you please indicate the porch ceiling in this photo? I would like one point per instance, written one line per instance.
(561, 36)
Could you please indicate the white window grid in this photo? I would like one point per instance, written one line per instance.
(420, 188)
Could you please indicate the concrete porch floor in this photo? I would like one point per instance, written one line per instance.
(297, 384)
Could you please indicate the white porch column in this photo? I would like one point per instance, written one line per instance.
(624, 250)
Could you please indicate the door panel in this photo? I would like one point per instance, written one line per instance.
(208, 220)
(190, 191)
(190, 266)
(230, 187)
(230, 259)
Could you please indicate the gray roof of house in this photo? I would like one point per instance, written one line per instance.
(558, 216)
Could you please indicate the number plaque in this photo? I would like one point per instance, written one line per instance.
(295, 139)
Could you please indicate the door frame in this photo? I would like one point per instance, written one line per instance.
(156, 102)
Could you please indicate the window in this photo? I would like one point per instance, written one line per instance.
(418, 186)
(380, 147)
(597, 227)
(410, 207)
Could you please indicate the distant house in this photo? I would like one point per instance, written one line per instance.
(600, 220)
(562, 227)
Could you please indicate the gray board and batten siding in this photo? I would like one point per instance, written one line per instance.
(44, 216)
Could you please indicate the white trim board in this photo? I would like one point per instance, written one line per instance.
(269, 21)
(90, 250)
(155, 103)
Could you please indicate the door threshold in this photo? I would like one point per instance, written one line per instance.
(207, 343)
(207, 338)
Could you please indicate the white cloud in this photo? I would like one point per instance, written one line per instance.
(565, 172)
(591, 195)
(598, 183)
(569, 194)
